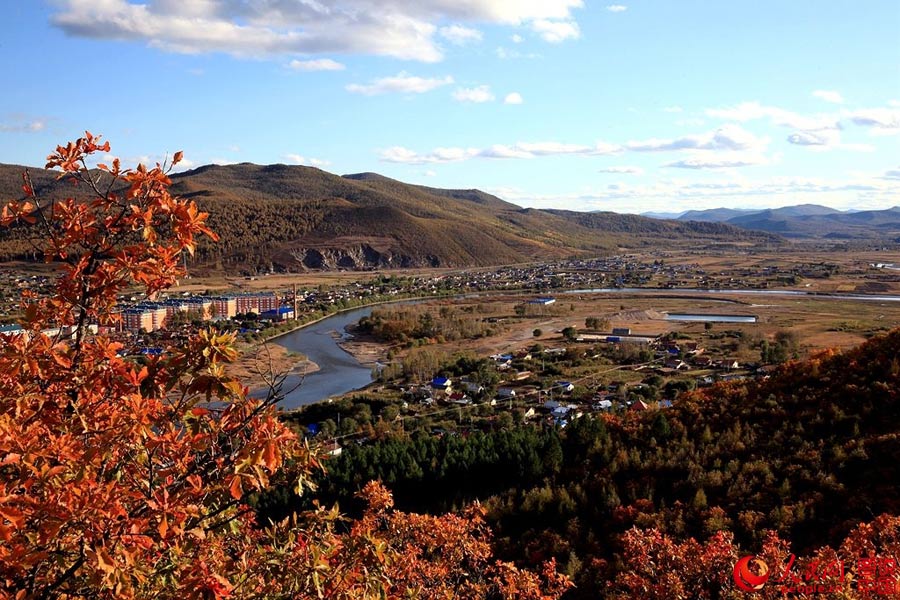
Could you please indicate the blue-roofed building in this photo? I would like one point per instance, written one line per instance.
(441, 383)
(282, 313)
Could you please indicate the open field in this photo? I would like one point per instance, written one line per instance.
(853, 270)
(818, 323)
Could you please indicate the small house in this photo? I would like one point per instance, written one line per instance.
(678, 365)
(565, 386)
(442, 384)
(460, 399)
(603, 405)
(473, 388)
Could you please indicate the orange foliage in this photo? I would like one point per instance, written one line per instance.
(128, 480)
(657, 566)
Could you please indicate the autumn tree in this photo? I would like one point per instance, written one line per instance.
(863, 567)
(129, 479)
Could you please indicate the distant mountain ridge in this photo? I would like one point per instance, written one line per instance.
(808, 221)
(286, 217)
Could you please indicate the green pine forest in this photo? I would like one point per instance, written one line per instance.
(810, 452)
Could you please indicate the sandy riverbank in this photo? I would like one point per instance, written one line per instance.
(259, 364)
(364, 349)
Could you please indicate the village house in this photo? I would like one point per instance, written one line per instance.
(677, 364)
(442, 384)
(460, 399)
(473, 388)
(605, 405)
(702, 361)
(639, 406)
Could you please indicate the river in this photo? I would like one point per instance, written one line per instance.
(340, 373)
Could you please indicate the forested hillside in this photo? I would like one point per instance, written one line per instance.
(293, 218)
(809, 453)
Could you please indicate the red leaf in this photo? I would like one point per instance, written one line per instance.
(236, 489)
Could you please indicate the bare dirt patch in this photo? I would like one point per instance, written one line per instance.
(259, 364)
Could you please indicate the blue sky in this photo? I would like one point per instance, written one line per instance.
(632, 106)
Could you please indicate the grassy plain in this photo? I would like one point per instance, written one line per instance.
(818, 322)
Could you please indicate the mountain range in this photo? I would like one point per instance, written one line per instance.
(805, 221)
(294, 218)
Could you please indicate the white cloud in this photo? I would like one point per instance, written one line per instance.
(23, 125)
(623, 170)
(429, 173)
(712, 161)
(883, 121)
(825, 140)
(298, 159)
(749, 111)
(893, 174)
(818, 132)
(505, 53)
(401, 83)
(316, 64)
(513, 98)
(460, 35)
(186, 164)
(399, 154)
(266, 28)
(829, 96)
(672, 109)
(556, 31)
(616, 8)
(477, 95)
(727, 137)
(807, 138)
(516, 38)
(521, 150)
(548, 148)
(502, 151)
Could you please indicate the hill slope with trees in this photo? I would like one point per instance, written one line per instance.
(124, 478)
(295, 218)
(806, 456)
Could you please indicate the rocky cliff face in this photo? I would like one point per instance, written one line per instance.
(355, 256)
